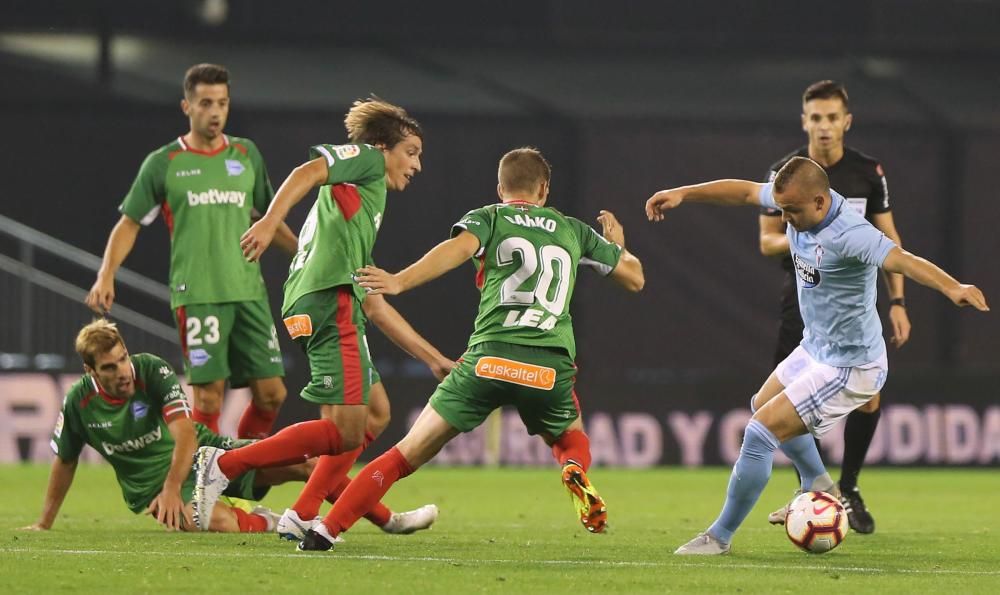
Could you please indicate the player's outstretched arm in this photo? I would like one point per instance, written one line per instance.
(723, 192)
(168, 506)
(927, 273)
(298, 183)
(393, 325)
(628, 271)
(442, 258)
(120, 244)
(60, 480)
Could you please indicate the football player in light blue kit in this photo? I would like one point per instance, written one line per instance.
(841, 361)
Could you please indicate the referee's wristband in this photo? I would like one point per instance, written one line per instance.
(897, 302)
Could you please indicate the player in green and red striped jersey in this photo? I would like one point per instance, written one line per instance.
(208, 186)
(132, 410)
(325, 311)
(522, 349)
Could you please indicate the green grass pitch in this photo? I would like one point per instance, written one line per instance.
(513, 531)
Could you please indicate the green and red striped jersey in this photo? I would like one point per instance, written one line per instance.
(339, 233)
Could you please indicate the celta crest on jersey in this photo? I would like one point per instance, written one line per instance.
(806, 272)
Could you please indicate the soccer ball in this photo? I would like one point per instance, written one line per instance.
(816, 522)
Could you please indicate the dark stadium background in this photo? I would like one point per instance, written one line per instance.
(624, 99)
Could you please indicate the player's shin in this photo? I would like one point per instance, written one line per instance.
(750, 475)
(805, 455)
(378, 516)
(330, 472)
(250, 523)
(209, 420)
(573, 445)
(366, 490)
(256, 423)
(292, 445)
(858, 433)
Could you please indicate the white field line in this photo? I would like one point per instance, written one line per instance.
(723, 564)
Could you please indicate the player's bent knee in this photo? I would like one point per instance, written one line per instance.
(304, 470)
(872, 405)
(779, 416)
(208, 397)
(378, 421)
(379, 410)
(271, 395)
(351, 438)
(416, 454)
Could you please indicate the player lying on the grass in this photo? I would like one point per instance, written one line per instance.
(522, 349)
(132, 410)
(841, 363)
(325, 311)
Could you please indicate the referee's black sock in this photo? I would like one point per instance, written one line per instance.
(858, 433)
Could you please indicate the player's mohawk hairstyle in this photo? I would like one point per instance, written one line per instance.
(375, 121)
(100, 336)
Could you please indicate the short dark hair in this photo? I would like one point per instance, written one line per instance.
(375, 121)
(810, 173)
(523, 170)
(827, 90)
(204, 74)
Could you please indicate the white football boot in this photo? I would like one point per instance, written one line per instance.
(404, 523)
(209, 484)
(703, 545)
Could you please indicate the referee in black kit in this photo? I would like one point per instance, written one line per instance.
(826, 117)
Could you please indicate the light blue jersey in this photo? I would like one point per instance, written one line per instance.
(836, 271)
